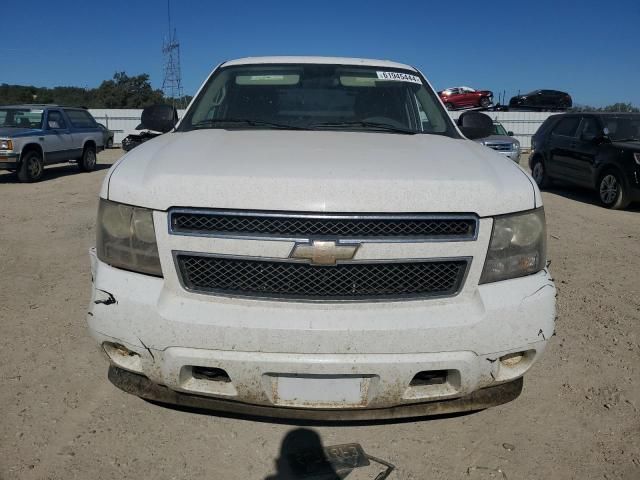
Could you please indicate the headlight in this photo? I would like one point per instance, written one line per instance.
(126, 238)
(515, 147)
(518, 246)
(6, 145)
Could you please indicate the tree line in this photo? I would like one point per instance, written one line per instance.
(122, 91)
(616, 107)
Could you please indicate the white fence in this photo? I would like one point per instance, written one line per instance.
(522, 124)
(121, 121)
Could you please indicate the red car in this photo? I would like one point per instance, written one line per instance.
(465, 97)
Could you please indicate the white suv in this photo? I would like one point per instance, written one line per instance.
(317, 239)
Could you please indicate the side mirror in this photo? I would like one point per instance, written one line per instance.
(161, 118)
(475, 125)
(510, 133)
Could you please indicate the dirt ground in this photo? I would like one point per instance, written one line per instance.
(577, 418)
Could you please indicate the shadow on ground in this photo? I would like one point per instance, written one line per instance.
(51, 173)
(583, 195)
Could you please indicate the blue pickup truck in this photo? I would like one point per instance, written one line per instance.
(32, 136)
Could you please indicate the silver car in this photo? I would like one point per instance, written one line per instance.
(32, 136)
(503, 142)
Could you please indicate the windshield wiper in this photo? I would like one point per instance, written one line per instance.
(630, 139)
(237, 122)
(367, 125)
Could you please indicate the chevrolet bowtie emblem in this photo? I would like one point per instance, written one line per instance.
(323, 253)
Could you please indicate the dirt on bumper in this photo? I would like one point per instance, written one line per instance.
(484, 398)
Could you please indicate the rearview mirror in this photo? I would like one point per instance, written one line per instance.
(161, 118)
(475, 125)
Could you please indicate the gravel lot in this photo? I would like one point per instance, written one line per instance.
(577, 418)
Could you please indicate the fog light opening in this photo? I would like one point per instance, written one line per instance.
(429, 377)
(512, 359)
(212, 374)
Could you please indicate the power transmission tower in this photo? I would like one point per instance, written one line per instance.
(172, 83)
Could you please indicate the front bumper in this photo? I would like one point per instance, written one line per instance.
(9, 161)
(512, 154)
(317, 357)
(141, 386)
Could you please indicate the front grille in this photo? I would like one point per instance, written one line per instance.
(338, 226)
(501, 147)
(296, 280)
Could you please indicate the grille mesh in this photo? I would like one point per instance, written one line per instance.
(309, 226)
(358, 281)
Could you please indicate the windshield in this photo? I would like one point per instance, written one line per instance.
(318, 97)
(624, 127)
(499, 130)
(20, 118)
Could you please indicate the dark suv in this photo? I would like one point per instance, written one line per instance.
(595, 150)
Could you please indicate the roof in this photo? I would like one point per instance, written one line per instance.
(40, 105)
(599, 114)
(321, 60)
(610, 114)
(30, 105)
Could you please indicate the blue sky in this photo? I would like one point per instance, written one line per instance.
(590, 49)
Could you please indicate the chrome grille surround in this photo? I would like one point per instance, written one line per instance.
(500, 147)
(301, 226)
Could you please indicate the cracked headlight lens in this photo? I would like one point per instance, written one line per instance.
(518, 246)
(126, 238)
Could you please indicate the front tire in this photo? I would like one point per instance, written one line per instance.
(88, 161)
(485, 102)
(110, 143)
(31, 167)
(449, 106)
(612, 191)
(539, 173)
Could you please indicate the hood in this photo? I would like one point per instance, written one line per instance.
(498, 138)
(13, 132)
(141, 132)
(633, 145)
(319, 171)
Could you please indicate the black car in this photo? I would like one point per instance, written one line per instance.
(133, 140)
(600, 151)
(542, 100)
(107, 135)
